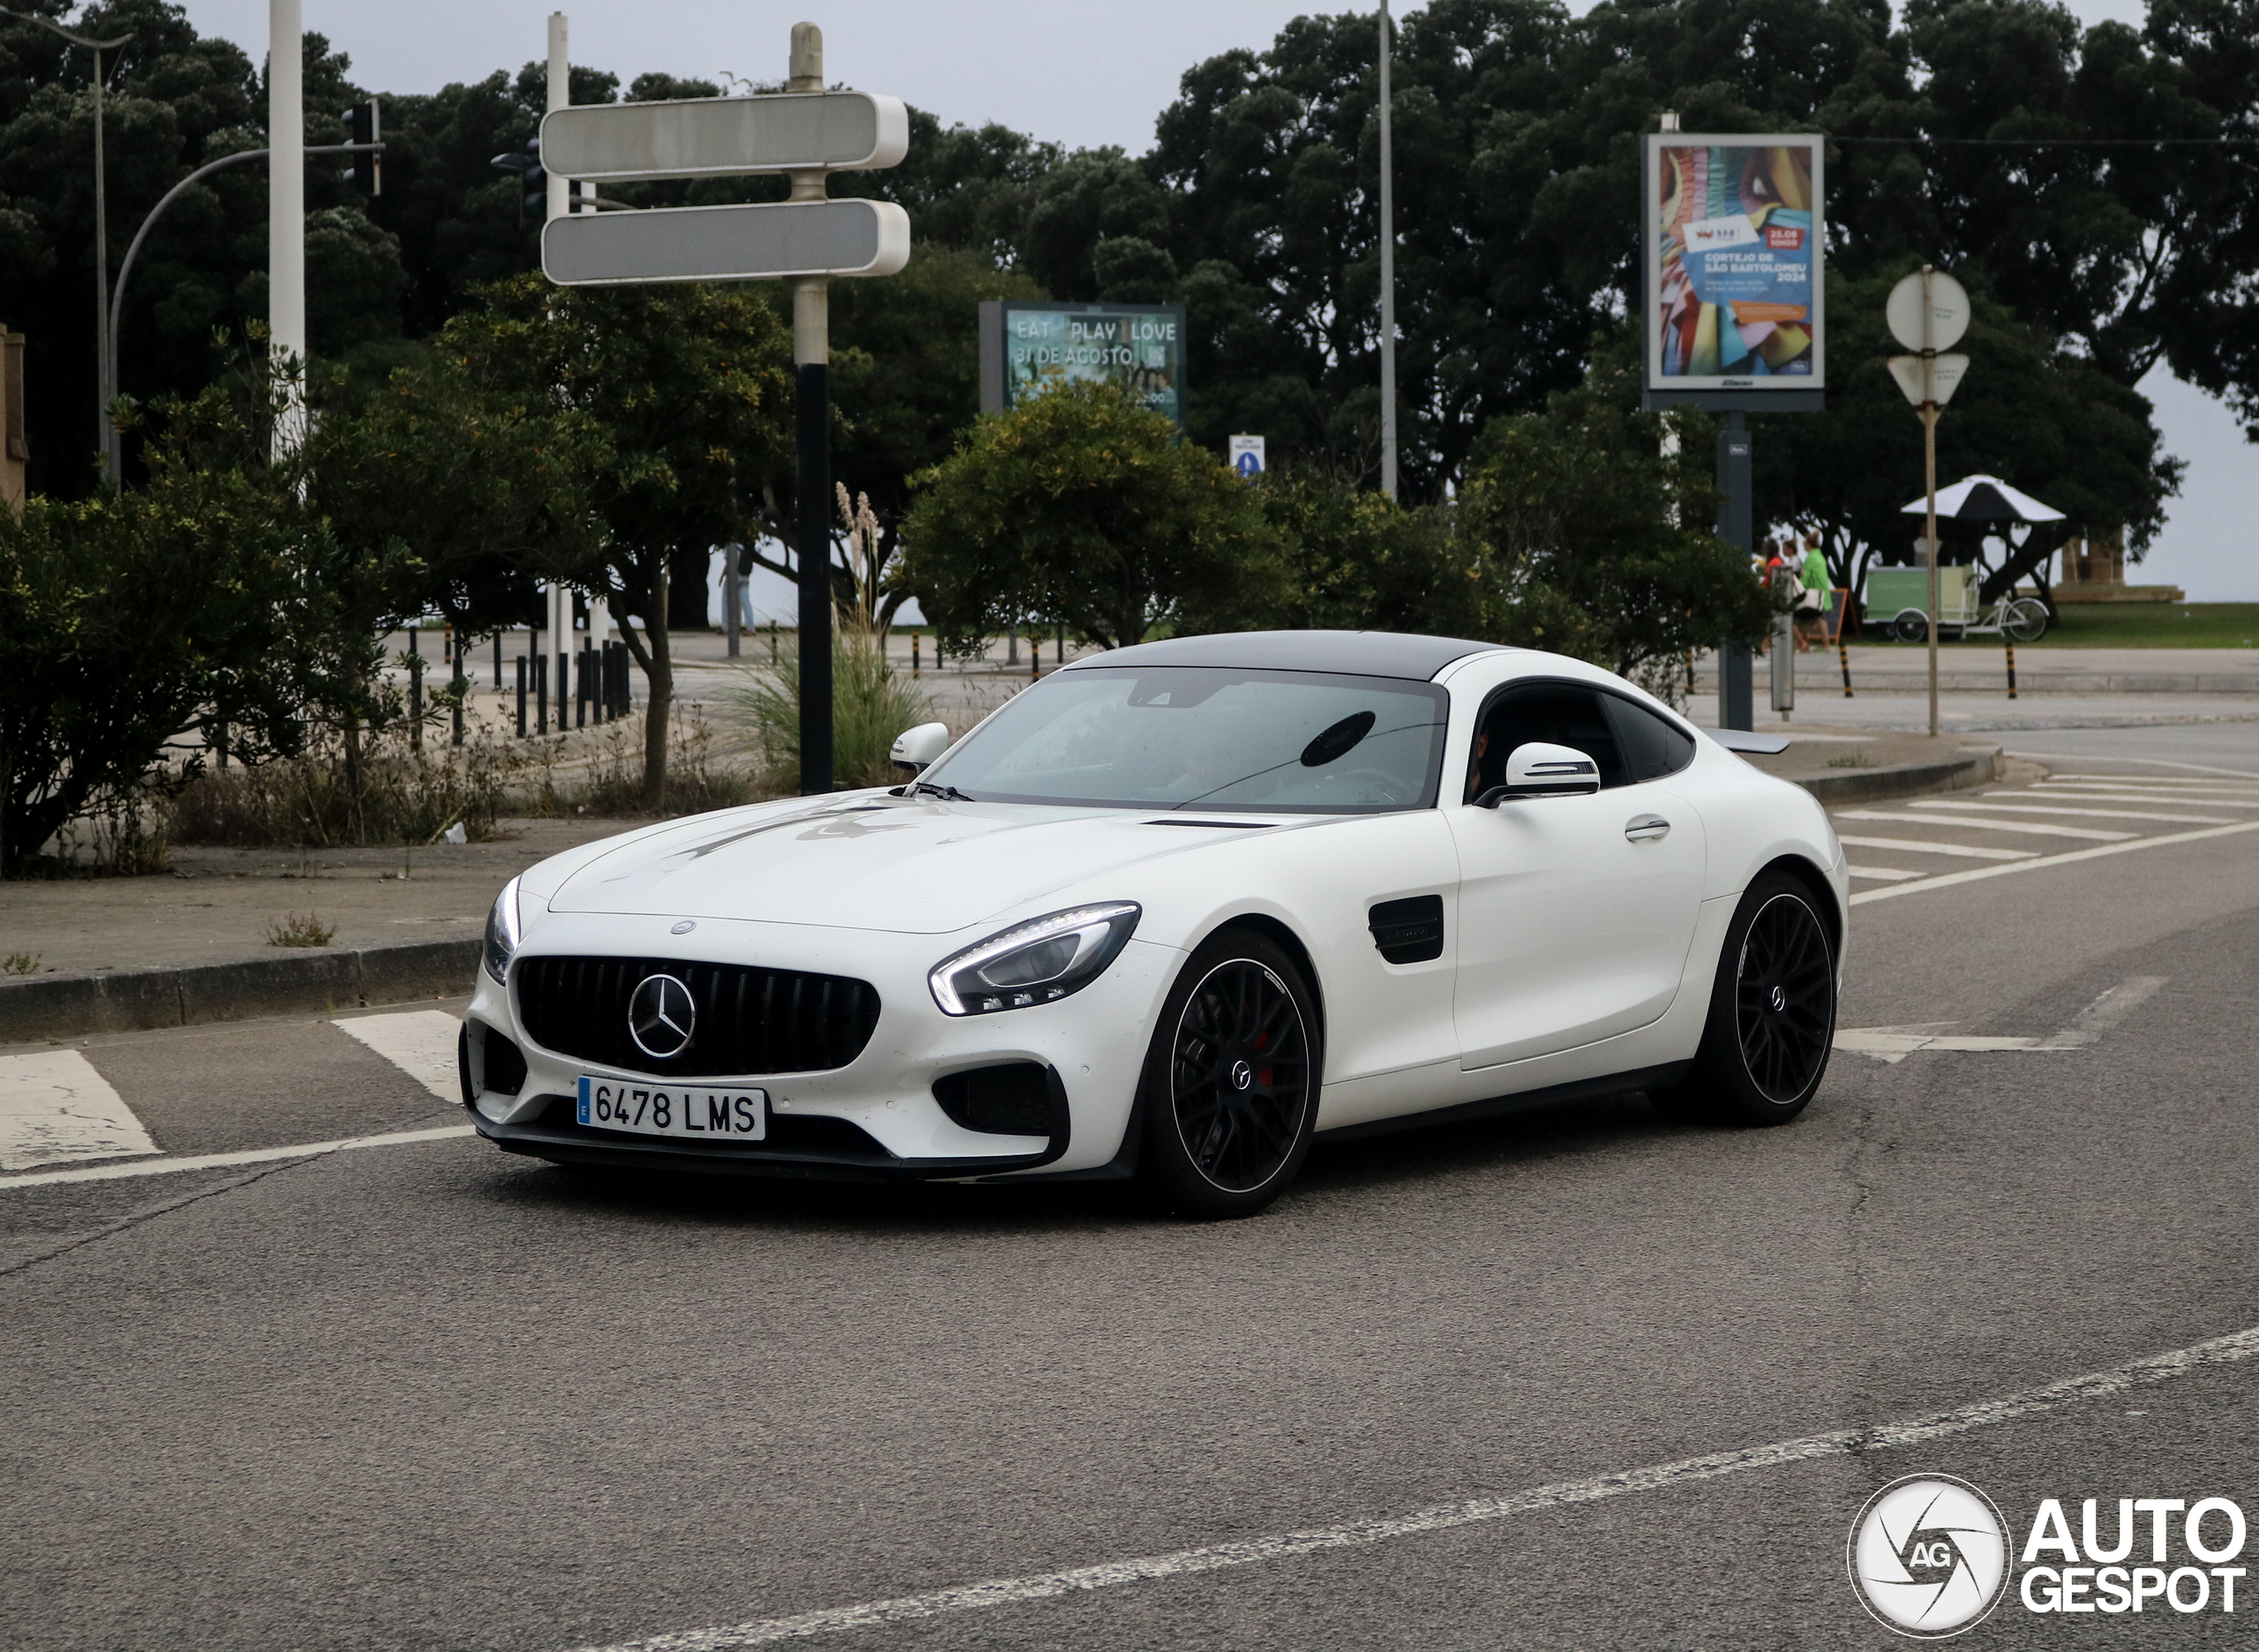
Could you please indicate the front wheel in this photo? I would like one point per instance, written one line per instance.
(1230, 1090)
(1772, 1021)
(1913, 626)
(2026, 619)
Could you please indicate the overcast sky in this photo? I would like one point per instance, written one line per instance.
(1082, 72)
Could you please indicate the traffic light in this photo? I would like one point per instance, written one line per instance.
(533, 202)
(368, 165)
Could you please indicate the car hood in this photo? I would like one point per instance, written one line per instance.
(917, 868)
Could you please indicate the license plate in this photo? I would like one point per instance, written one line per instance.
(689, 1111)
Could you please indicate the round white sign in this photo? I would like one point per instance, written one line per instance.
(1949, 312)
(1929, 1556)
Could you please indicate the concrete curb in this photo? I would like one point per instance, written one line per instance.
(132, 1001)
(1875, 786)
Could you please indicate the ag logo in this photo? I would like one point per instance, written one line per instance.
(1928, 1556)
(661, 1016)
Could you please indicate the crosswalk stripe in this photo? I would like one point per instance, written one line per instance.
(2090, 794)
(419, 1042)
(2057, 808)
(1885, 873)
(1966, 851)
(55, 1108)
(1949, 880)
(2092, 834)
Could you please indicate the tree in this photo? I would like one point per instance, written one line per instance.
(1355, 560)
(1593, 541)
(1082, 508)
(127, 620)
(686, 389)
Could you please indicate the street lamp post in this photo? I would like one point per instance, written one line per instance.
(104, 345)
(1387, 273)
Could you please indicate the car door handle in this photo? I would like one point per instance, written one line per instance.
(1646, 828)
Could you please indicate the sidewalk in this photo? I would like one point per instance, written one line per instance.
(1901, 668)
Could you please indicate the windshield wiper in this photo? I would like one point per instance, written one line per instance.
(947, 793)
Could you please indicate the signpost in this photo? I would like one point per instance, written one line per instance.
(1734, 320)
(1927, 312)
(807, 133)
(1247, 453)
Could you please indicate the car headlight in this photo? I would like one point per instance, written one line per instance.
(503, 931)
(1037, 961)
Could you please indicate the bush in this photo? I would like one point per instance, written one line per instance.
(871, 703)
(400, 795)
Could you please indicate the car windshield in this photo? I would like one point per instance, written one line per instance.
(1204, 738)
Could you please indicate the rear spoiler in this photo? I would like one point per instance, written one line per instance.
(1736, 740)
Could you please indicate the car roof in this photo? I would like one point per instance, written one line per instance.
(1350, 653)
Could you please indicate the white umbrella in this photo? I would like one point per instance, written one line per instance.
(1985, 498)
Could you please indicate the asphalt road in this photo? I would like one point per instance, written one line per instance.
(423, 1395)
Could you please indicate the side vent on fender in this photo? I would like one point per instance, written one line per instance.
(1409, 931)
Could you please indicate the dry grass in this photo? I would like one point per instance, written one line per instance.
(301, 929)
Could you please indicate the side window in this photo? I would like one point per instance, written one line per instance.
(1652, 748)
(1558, 713)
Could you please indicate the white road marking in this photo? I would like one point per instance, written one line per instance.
(2096, 814)
(222, 1161)
(2153, 762)
(420, 1042)
(1967, 852)
(56, 1109)
(2044, 829)
(1894, 1045)
(2087, 794)
(1885, 873)
(2011, 1407)
(1947, 880)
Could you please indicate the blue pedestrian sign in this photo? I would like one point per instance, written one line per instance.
(1246, 456)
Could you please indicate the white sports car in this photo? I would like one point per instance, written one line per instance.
(1168, 914)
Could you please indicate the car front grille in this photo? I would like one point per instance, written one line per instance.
(749, 1021)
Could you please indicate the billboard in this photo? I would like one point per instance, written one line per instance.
(1732, 231)
(1029, 345)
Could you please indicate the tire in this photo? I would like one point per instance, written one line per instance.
(1772, 1019)
(2026, 619)
(1229, 1097)
(1912, 625)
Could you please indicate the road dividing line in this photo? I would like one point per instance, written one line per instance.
(1967, 852)
(55, 1108)
(1947, 880)
(420, 1042)
(2152, 762)
(2091, 834)
(222, 1161)
(1896, 1044)
(1887, 874)
(2028, 1402)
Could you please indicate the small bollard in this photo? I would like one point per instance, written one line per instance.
(1843, 656)
(913, 654)
(414, 695)
(521, 697)
(541, 694)
(2011, 670)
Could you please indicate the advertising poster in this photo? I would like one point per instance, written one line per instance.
(1138, 347)
(1734, 262)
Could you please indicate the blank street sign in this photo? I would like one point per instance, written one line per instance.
(755, 243)
(839, 131)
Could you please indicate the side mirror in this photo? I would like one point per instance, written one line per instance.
(915, 749)
(1539, 770)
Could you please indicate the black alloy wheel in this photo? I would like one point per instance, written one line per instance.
(1771, 1025)
(1784, 998)
(1231, 1087)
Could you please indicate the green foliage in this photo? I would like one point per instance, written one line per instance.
(301, 929)
(1356, 560)
(125, 621)
(685, 392)
(1592, 544)
(1081, 507)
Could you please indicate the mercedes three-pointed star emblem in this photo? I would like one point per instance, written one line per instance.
(661, 1016)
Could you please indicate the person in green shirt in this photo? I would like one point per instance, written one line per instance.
(1812, 606)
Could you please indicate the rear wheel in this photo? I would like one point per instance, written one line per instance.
(1230, 1090)
(1772, 1022)
(1913, 626)
(2026, 619)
